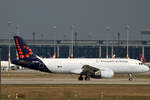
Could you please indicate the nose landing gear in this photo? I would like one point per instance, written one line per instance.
(130, 77)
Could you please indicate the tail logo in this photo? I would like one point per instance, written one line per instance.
(27, 55)
(23, 51)
(20, 52)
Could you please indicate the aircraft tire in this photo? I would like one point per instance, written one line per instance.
(80, 78)
(87, 78)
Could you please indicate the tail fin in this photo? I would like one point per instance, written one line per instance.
(27, 58)
(54, 56)
(142, 58)
(71, 56)
(23, 50)
(114, 56)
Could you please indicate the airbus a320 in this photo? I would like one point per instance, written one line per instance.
(86, 68)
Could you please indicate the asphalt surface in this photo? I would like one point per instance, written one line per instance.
(53, 80)
(74, 81)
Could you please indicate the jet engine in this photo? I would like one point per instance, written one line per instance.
(103, 74)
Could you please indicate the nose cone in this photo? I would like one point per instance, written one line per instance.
(145, 68)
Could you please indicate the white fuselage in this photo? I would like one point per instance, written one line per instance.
(75, 65)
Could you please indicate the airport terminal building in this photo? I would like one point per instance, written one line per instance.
(81, 48)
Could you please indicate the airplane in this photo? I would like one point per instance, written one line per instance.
(5, 66)
(142, 58)
(86, 68)
(54, 56)
(144, 61)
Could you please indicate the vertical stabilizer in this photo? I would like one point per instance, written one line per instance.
(23, 50)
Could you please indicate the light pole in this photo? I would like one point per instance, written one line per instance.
(112, 50)
(127, 27)
(17, 33)
(65, 37)
(107, 30)
(9, 34)
(54, 36)
(0, 64)
(72, 28)
(17, 30)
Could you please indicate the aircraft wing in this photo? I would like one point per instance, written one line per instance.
(94, 72)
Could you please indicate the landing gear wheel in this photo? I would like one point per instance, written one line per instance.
(87, 78)
(80, 78)
(130, 79)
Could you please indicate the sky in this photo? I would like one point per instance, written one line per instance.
(90, 17)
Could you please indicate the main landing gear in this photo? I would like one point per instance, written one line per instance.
(86, 78)
(80, 78)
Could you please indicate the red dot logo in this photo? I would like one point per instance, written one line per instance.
(30, 53)
(30, 50)
(21, 52)
(16, 40)
(21, 56)
(19, 49)
(18, 46)
(27, 56)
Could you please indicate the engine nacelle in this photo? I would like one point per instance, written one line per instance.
(107, 74)
(103, 74)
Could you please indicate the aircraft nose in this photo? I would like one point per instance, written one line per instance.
(145, 68)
